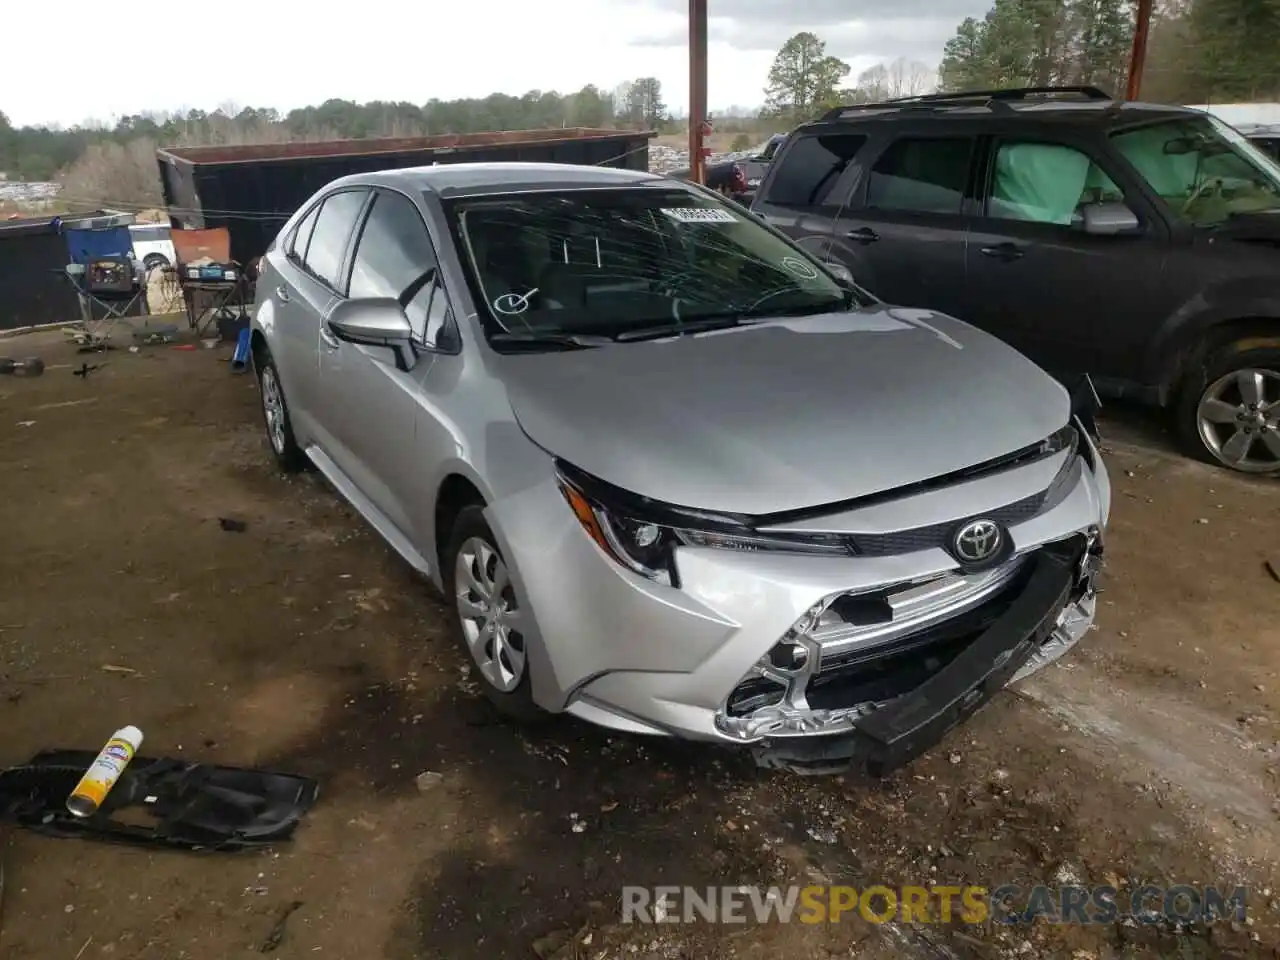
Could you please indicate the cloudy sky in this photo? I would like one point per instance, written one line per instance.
(288, 53)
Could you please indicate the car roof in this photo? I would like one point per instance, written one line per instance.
(470, 179)
(1086, 106)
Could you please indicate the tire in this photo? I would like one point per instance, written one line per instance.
(1213, 416)
(504, 678)
(275, 416)
(154, 260)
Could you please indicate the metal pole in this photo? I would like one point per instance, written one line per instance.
(697, 87)
(1138, 56)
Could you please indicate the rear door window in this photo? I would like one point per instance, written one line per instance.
(328, 246)
(1045, 183)
(811, 167)
(921, 175)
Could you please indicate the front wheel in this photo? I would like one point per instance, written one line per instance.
(1229, 413)
(491, 618)
(275, 416)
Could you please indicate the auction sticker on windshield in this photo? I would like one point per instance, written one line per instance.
(699, 215)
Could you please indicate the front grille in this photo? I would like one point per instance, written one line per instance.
(910, 659)
(936, 535)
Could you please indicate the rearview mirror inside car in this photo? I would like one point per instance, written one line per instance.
(1107, 219)
(377, 322)
(1206, 146)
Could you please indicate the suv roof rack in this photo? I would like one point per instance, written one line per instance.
(930, 101)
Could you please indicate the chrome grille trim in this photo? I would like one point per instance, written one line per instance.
(916, 606)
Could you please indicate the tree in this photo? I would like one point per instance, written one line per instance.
(1041, 43)
(965, 63)
(741, 143)
(1234, 53)
(1103, 36)
(643, 106)
(872, 85)
(589, 107)
(908, 78)
(803, 79)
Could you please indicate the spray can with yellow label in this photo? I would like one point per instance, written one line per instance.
(103, 773)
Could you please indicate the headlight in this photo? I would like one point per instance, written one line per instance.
(642, 535)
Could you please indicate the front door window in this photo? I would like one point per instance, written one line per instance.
(1203, 169)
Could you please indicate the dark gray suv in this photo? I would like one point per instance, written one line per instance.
(1138, 243)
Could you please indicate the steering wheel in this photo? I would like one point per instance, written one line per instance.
(1210, 188)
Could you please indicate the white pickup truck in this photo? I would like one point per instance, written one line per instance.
(152, 245)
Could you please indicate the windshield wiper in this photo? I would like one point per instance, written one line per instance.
(701, 325)
(551, 338)
(807, 310)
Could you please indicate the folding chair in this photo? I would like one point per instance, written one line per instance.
(108, 287)
(211, 281)
(106, 280)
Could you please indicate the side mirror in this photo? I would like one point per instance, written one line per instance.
(377, 322)
(843, 275)
(1107, 219)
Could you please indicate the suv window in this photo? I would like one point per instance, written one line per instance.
(1270, 144)
(1204, 170)
(925, 175)
(394, 254)
(811, 167)
(1045, 183)
(302, 235)
(329, 238)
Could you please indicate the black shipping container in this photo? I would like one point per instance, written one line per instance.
(252, 190)
(34, 289)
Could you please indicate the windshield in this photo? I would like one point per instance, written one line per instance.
(624, 263)
(1205, 170)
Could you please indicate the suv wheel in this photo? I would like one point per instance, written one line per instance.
(490, 615)
(275, 416)
(1230, 414)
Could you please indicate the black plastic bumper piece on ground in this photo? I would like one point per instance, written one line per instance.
(193, 806)
(896, 734)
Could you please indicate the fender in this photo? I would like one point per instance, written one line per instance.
(1242, 308)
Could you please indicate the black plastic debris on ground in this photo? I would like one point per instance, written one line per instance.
(231, 525)
(193, 806)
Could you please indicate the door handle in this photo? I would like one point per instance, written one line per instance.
(330, 340)
(282, 293)
(1003, 251)
(863, 235)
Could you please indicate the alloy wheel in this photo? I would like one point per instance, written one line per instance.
(1239, 420)
(273, 408)
(490, 615)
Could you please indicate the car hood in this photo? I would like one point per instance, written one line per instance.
(786, 414)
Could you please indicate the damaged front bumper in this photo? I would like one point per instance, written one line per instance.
(1045, 609)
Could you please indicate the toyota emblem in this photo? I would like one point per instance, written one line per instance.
(977, 541)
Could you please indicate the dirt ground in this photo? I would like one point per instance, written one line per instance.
(1151, 755)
